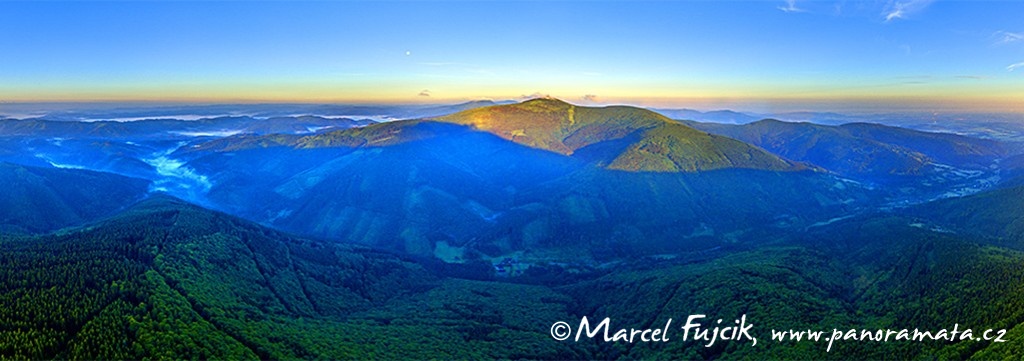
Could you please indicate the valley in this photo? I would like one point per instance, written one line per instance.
(466, 234)
(511, 180)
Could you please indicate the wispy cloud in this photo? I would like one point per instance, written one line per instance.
(1013, 67)
(791, 7)
(901, 9)
(535, 95)
(589, 97)
(1006, 37)
(425, 93)
(974, 77)
(215, 133)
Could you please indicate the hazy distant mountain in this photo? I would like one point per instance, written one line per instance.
(998, 126)
(87, 112)
(1007, 127)
(714, 116)
(439, 110)
(173, 128)
(871, 152)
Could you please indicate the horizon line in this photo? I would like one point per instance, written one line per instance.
(877, 108)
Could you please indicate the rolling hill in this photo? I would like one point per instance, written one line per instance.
(36, 200)
(596, 182)
(618, 138)
(623, 138)
(165, 279)
(997, 213)
(466, 236)
(863, 151)
(714, 116)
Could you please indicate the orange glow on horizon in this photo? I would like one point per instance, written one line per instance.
(1006, 102)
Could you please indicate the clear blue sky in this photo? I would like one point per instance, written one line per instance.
(764, 55)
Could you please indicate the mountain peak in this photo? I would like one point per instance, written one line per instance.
(644, 140)
(555, 125)
(769, 121)
(547, 99)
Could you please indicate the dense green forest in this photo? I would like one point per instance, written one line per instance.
(166, 279)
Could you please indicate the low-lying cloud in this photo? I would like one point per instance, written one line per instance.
(535, 95)
(176, 170)
(56, 164)
(210, 133)
(177, 178)
(186, 117)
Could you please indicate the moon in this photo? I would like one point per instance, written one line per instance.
(407, 53)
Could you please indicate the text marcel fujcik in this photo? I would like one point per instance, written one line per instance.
(698, 329)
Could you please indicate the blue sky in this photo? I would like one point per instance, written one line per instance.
(763, 55)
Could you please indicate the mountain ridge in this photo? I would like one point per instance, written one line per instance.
(38, 200)
(164, 128)
(616, 137)
(863, 151)
(661, 144)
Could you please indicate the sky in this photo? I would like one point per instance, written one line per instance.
(756, 56)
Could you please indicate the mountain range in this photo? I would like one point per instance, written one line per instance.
(864, 151)
(467, 234)
(174, 128)
(542, 174)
